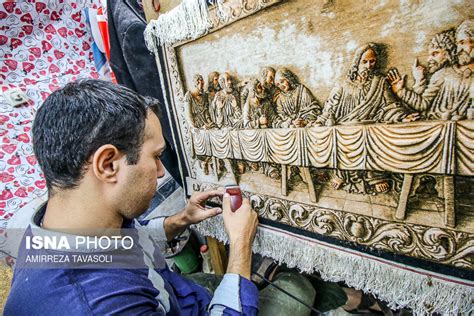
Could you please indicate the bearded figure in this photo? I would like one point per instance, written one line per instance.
(363, 96)
(295, 104)
(213, 85)
(258, 113)
(198, 105)
(448, 95)
(267, 79)
(225, 108)
(198, 111)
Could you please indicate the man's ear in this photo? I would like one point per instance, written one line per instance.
(106, 163)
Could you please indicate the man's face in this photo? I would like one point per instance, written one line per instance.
(215, 81)
(437, 59)
(199, 84)
(367, 63)
(227, 83)
(283, 84)
(465, 49)
(270, 79)
(139, 180)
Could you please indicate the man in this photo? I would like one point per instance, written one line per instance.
(226, 104)
(295, 104)
(267, 79)
(99, 147)
(449, 92)
(198, 111)
(213, 86)
(198, 104)
(258, 113)
(257, 110)
(363, 96)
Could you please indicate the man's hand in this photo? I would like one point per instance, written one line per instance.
(241, 227)
(411, 117)
(396, 81)
(300, 122)
(193, 213)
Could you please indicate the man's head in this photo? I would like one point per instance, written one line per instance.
(213, 82)
(256, 92)
(286, 80)
(95, 135)
(198, 81)
(465, 42)
(365, 62)
(225, 82)
(442, 51)
(267, 77)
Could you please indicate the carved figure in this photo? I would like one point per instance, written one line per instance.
(295, 104)
(198, 105)
(258, 112)
(449, 92)
(226, 105)
(212, 87)
(267, 79)
(364, 95)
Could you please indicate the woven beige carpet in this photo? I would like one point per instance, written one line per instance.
(6, 274)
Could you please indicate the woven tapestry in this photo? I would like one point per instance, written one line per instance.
(350, 127)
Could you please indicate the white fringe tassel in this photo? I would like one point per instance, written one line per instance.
(188, 20)
(399, 287)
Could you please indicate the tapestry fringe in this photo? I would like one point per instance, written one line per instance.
(399, 287)
(188, 20)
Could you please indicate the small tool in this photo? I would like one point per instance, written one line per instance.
(235, 196)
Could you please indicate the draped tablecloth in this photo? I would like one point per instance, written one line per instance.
(442, 147)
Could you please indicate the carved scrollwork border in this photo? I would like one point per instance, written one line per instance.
(439, 245)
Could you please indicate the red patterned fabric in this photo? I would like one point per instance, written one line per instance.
(43, 46)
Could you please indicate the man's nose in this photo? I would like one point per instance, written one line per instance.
(160, 169)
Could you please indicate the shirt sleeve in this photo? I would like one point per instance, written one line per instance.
(156, 228)
(234, 296)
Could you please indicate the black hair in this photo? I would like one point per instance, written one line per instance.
(81, 117)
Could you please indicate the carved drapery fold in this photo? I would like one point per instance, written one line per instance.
(424, 147)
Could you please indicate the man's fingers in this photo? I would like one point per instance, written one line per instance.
(226, 205)
(204, 196)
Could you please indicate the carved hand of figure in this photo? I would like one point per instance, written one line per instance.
(418, 71)
(300, 122)
(263, 121)
(411, 117)
(195, 211)
(396, 81)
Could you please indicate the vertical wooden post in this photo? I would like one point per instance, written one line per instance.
(284, 180)
(309, 181)
(218, 255)
(449, 202)
(403, 200)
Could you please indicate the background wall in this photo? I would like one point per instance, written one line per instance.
(317, 39)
